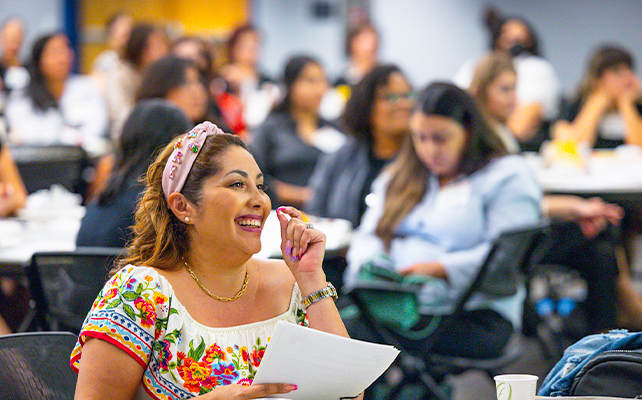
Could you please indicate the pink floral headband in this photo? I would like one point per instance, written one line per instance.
(186, 150)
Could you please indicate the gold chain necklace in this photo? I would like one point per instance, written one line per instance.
(215, 297)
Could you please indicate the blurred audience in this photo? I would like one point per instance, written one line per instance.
(377, 121)
(151, 125)
(537, 83)
(608, 108)
(12, 72)
(435, 212)
(178, 81)
(290, 142)
(57, 107)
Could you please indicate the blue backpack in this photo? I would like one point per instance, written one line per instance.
(608, 364)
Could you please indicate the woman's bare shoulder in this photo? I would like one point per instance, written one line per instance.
(275, 273)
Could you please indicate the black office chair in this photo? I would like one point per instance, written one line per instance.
(35, 365)
(42, 166)
(509, 258)
(64, 285)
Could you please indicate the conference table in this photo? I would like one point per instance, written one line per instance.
(51, 220)
(614, 175)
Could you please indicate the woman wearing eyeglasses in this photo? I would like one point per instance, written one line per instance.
(376, 117)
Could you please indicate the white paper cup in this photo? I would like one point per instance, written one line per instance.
(516, 387)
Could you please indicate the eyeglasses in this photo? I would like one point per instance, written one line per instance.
(397, 97)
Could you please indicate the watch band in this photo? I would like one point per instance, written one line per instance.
(328, 291)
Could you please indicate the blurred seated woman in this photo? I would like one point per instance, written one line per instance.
(290, 142)
(377, 121)
(178, 81)
(151, 125)
(145, 45)
(12, 191)
(198, 50)
(189, 311)
(57, 107)
(608, 108)
(435, 211)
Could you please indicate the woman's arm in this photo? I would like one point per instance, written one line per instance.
(584, 127)
(303, 250)
(12, 190)
(525, 121)
(107, 372)
(628, 108)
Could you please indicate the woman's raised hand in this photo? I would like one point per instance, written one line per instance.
(303, 247)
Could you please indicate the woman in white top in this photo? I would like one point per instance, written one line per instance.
(190, 312)
(57, 107)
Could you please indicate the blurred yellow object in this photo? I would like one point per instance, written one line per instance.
(569, 151)
(345, 91)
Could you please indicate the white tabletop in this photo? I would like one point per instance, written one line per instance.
(606, 171)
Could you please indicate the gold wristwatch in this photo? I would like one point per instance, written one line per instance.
(328, 291)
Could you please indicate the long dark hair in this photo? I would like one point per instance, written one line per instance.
(409, 176)
(162, 76)
(293, 69)
(37, 89)
(150, 126)
(357, 116)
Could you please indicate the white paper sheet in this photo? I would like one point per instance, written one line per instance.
(323, 366)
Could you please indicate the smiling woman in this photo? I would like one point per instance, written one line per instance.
(189, 310)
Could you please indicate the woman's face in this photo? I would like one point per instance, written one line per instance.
(365, 44)
(192, 50)
(617, 79)
(57, 58)
(309, 88)
(234, 205)
(156, 49)
(191, 96)
(513, 32)
(501, 97)
(119, 33)
(247, 48)
(392, 107)
(439, 143)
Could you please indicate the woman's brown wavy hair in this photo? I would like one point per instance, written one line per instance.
(160, 239)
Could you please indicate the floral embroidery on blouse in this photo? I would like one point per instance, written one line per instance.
(137, 312)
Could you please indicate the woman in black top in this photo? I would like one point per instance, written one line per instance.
(607, 111)
(151, 125)
(287, 146)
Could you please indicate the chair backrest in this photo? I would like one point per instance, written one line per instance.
(35, 365)
(64, 285)
(42, 166)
